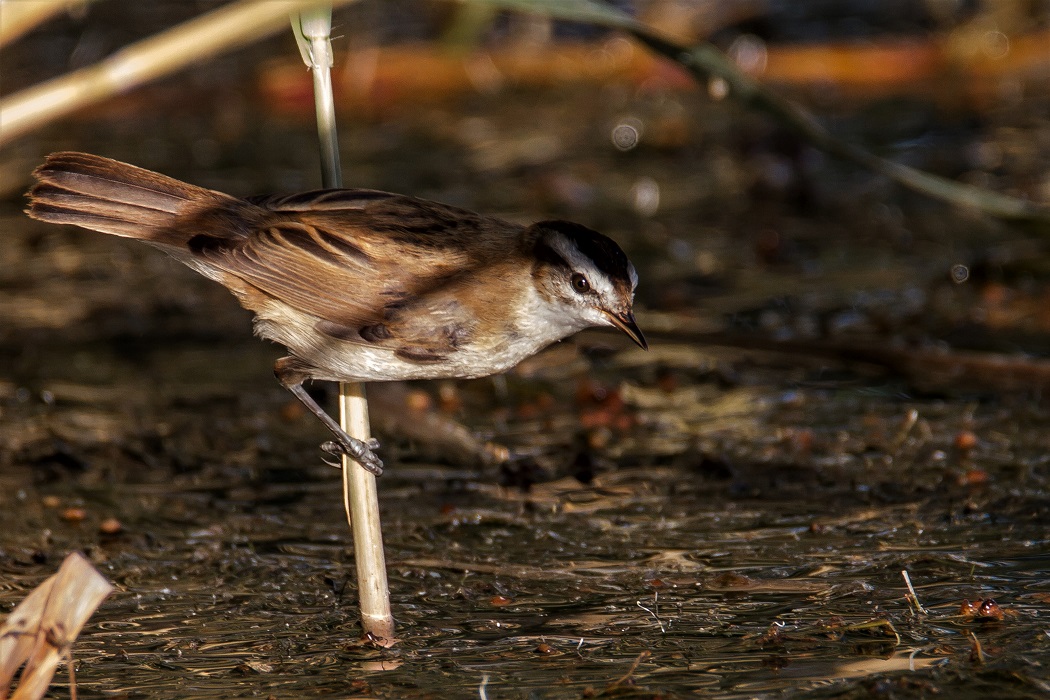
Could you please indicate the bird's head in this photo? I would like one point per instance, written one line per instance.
(586, 276)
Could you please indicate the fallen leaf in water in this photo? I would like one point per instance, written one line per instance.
(110, 526)
(74, 515)
(986, 610)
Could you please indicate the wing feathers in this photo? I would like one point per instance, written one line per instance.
(347, 267)
(113, 197)
(323, 200)
(373, 267)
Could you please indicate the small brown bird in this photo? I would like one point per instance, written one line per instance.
(361, 285)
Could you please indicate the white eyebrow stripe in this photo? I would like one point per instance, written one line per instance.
(601, 283)
(566, 248)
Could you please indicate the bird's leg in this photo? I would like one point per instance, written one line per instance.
(361, 452)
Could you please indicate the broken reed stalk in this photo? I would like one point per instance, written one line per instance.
(913, 597)
(361, 502)
(360, 496)
(41, 630)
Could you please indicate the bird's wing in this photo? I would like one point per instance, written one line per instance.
(354, 257)
(424, 330)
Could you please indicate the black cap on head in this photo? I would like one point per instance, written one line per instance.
(603, 251)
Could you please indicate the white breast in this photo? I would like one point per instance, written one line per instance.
(532, 328)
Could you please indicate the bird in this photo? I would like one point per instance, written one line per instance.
(360, 285)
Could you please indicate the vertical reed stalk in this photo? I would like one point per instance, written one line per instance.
(360, 496)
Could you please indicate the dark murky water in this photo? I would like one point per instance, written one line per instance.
(697, 520)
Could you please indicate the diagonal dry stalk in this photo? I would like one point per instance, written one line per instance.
(704, 61)
(19, 17)
(243, 21)
(228, 27)
(360, 496)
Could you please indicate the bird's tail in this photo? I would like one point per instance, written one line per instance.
(112, 197)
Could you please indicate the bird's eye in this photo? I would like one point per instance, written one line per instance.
(580, 283)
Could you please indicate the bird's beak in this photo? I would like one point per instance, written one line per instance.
(626, 323)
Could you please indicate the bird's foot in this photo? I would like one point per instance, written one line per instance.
(357, 450)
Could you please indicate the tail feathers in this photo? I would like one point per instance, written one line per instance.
(112, 197)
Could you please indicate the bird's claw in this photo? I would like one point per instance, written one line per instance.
(357, 450)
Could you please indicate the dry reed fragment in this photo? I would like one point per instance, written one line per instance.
(41, 630)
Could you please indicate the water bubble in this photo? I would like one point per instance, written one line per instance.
(645, 196)
(996, 44)
(626, 134)
(717, 88)
(960, 273)
(750, 54)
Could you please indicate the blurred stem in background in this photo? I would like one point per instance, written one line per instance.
(244, 21)
(19, 17)
(212, 33)
(705, 61)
